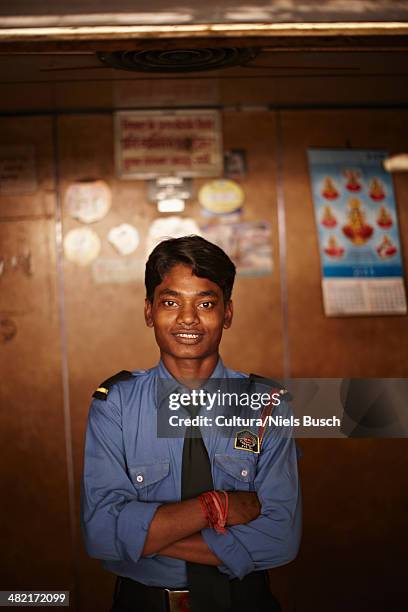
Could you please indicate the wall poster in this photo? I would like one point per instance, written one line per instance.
(162, 143)
(357, 226)
(247, 243)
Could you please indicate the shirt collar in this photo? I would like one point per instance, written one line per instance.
(218, 372)
(174, 386)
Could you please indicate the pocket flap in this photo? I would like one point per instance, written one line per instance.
(149, 473)
(240, 468)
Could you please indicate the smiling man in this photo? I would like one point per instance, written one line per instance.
(190, 522)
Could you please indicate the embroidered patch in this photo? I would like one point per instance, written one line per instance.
(246, 440)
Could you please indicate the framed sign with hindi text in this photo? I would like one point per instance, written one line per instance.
(156, 143)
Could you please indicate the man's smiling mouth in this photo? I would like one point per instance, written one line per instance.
(188, 337)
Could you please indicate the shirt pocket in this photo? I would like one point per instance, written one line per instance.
(149, 479)
(234, 473)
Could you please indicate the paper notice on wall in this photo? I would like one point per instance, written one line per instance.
(170, 227)
(149, 144)
(357, 226)
(17, 170)
(235, 163)
(248, 245)
(118, 271)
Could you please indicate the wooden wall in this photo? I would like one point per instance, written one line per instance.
(36, 540)
(352, 557)
(353, 489)
(369, 346)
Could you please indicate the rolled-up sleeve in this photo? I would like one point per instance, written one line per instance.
(114, 523)
(273, 538)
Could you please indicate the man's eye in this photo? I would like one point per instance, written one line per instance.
(206, 305)
(170, 303)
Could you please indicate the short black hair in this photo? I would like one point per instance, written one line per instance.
(207, 260)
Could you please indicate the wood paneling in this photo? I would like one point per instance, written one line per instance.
(36, 547)
(354, 498)
(350, 346)
(354, 490)
(37, 133)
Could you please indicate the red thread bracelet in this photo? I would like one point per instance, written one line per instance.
(215, 509)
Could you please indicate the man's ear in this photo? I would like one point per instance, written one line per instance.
(228, 314)
(148, 313)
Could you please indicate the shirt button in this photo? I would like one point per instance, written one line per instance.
(139, 478)
(244, 473)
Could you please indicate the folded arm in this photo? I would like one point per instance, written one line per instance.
(273, 538)
(243, 507)
(115, 524)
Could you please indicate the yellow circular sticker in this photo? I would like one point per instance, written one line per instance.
(221, 196)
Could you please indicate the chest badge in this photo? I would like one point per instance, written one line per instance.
(246, 440)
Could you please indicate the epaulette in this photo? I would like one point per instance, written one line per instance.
(275, 386)
(102, 391)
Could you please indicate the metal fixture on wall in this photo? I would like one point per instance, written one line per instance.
(191, 59)
(179, 60)
(170, 193)
(397, 163)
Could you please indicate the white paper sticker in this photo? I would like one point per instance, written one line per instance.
(81, 246)
(125, 238)
(88, 201)
(170, 227)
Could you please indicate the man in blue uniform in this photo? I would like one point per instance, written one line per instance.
(142, 509)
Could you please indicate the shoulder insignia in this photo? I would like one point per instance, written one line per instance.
(102, 391)
(274, 385)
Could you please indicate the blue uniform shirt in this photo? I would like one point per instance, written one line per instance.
(129, 472)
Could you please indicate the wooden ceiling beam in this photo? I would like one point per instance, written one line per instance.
(304, 43)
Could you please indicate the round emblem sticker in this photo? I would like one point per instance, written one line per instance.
(88, 201)
(221, 196)
(125, 238)
(81, 246)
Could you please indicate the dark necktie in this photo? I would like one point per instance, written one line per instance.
(209, 589)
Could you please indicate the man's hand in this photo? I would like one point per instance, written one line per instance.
(243, 507)
(175, 521)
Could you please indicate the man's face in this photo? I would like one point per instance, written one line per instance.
(188, 314)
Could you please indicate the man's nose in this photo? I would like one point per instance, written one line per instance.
(187, 315)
